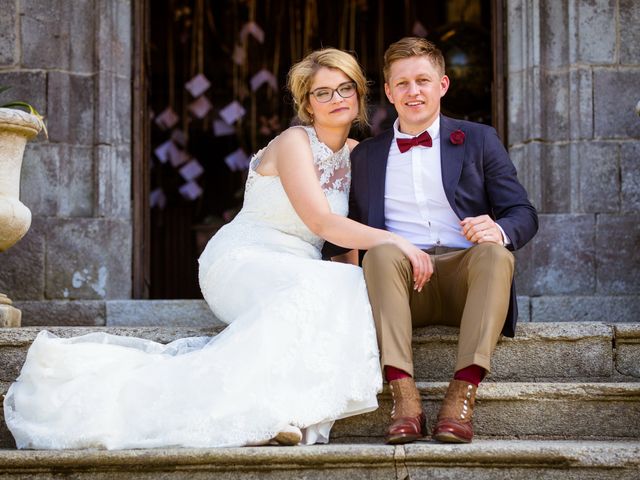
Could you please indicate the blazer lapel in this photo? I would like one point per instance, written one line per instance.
(451, 159)
(377, 163)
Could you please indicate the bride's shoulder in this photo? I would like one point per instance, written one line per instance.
(351, 143)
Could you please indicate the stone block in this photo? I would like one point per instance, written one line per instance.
(615, 95)
(114, 182)
(39, 179)
(30, 87)
(527, 159)
(554, 34)
(71, 103)
(628, 350)
(523, 40)
(524, 309)
(524, 106)
(630, 176)
(76, 187)
(138, 313)
(561, 257)
(88, 259)
(555, 167)
(596, 38)
(58, 37)
(617, 254)
(629, 32)
(91, 313)
(114, 36)
(113, 110)
(599, 177)
(580, 106)
(609, 309)
(8, 26)
(22, 266)
(554, 95)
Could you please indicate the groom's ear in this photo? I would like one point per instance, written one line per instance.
(387, 92)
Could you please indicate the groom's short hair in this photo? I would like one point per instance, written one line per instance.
(412, 47)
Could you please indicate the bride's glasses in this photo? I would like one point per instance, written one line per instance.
(325, 94)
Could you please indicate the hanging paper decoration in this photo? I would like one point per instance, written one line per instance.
(162, 151)
(262, 77)
(179, 137)
(191, 190)
(176, 156)
(253, 29)
(200, 107)
(157, 198)
(198, 85)
(232, 112)
(222, 128)
(191, 170)
(237, 160)
(167, 119)
(239, 55)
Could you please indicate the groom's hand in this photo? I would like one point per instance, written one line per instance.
(481, 229)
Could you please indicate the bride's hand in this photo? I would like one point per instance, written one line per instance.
(420, 261)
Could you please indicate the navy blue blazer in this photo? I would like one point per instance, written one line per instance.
(478, 178)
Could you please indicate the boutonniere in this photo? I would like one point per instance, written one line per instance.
(457, 137)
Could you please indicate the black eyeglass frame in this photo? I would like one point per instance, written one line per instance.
(335, 90)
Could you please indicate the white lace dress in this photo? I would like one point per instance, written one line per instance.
(300, 348)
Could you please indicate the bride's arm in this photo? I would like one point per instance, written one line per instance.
(298, 176)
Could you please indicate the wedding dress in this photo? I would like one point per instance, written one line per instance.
(300, 348)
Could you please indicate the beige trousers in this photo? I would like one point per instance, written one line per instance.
(469, 289)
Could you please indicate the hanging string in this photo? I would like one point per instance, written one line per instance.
(380, 48)
(171, 66)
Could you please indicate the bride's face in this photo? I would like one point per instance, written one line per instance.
(333, 98)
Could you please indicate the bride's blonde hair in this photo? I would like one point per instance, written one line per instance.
(301, 76)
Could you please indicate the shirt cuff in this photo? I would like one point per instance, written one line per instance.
(505, 239)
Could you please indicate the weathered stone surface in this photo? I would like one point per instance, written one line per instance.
(630, 176)
(76, 187)
(555, 166)
(114, 182)
(58, 37)
(599, 184)
(22, 266)
(8, 27)
(538, 352)
(527, 159)
(585, 309)
(617, 254)
(560, 259)
(30, 87)
(63, 313)
(191, 313)
(596, 39)
(71, 103)
(615, 96)
(554, 41)
(555, 95)
(88, 259)
(628, 349)
(40, 178)
(113, 109)
(114, 36)
(629, 32)
(523, 40)
(524, 106)
(580, 106)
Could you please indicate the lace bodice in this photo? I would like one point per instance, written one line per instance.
(266, 203)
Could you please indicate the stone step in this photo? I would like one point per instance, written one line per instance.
(480, 460)
(548, 352)
(505, 409)
(524, 410)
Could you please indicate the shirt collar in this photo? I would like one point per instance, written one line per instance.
(433, 129)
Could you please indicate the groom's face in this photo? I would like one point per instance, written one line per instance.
(415, 87)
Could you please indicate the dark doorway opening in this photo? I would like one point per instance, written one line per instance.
(212, 76)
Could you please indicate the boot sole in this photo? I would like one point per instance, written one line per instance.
(400, 439)
(448, 437)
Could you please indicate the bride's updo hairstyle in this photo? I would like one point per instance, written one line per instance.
(301, 76)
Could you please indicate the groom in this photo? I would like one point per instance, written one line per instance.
(449, 187)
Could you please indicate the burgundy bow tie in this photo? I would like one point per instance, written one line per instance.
(405, 144)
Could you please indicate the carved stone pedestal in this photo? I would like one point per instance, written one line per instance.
(9, 316)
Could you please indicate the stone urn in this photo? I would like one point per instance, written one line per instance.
(16, 127)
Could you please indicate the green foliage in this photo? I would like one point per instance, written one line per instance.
(25, 107)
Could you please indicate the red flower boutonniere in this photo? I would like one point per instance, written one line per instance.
(457, 137)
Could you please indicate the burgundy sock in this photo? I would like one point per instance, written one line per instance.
(393, 373)
(471, 374)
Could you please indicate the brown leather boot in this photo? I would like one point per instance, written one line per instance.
(408, 419)
(454, 420)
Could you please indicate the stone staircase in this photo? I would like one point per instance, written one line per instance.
(563, 401)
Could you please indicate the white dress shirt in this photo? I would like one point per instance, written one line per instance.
(415, 203)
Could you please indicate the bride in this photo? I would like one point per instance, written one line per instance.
(300, 349)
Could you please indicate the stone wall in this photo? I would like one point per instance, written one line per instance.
(71, 59)
(573, 82)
